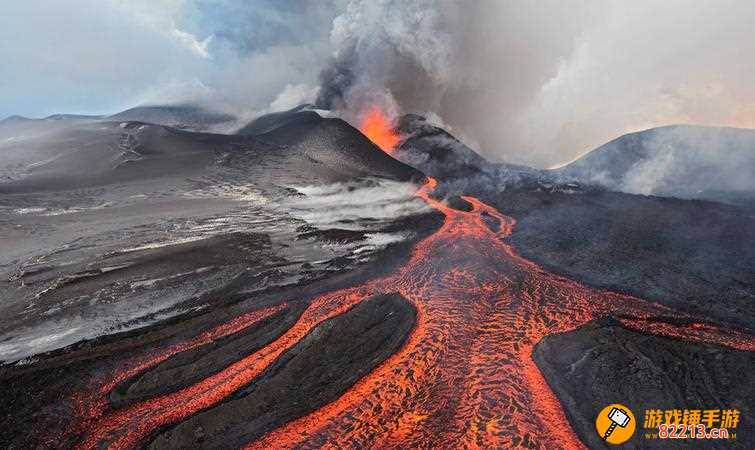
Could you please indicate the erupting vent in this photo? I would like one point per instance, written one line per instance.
(378, 128)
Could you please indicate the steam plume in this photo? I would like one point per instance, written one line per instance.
(536, 83)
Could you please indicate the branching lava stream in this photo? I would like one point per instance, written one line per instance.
(465, 376)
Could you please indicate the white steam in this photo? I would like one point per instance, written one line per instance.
(540, 83)
(536, 83)
(352, 205)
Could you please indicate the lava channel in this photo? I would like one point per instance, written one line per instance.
(465, 376)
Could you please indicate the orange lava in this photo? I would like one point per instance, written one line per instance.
(465, 377)
(378, 128)
(93, 404)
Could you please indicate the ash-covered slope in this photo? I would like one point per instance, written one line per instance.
(185, 117)
(272, 121)
(434, 151)
(439, 154)
(329, 142)
(15, 129)
(105, 153)
(11, 122)
(190, 117)
(107, 226)
(85, 154)
(676, 161)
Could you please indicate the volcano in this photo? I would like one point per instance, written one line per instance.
(680, 161)
(293, 284)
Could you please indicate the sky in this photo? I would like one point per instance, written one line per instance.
(536, 83)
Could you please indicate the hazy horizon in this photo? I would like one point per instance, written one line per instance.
(536, 84)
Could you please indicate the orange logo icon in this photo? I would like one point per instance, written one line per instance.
(615, 424)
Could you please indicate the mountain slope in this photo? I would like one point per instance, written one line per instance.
(332, 143)
(439, 154)
(272, 121)
(434, 151)
(179, 116)
(676, 161)
(89, 153)
(108, 226)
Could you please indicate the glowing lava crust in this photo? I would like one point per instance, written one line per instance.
(464, 377)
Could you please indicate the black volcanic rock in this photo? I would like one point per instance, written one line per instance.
(329, 360)
(335, 235)
(186, 368)
(676, 161)
(458, 168)
(434, 151)
(602, 363)
(687, 254)
(459, 203)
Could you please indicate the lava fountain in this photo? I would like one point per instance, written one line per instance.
(464, 378)
(378, 128)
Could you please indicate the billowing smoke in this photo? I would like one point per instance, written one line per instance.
(540, 83)
(537, 83)
(476, 66)
(691, 162)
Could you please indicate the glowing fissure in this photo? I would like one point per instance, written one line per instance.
(464, 378)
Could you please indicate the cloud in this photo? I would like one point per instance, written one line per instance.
(351, 205)
(162, 17)
(89, 56)
(264, 55)
(192, 43)
(645, 64)
(540, 83)
(475, 66)
(529, 82)
(294, 95)
(85, 56)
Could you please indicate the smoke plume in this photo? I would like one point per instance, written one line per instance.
(540, 83)
(535, 83)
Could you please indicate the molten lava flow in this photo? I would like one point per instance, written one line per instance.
(91, 405)
(464, 378)
(377, 127)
